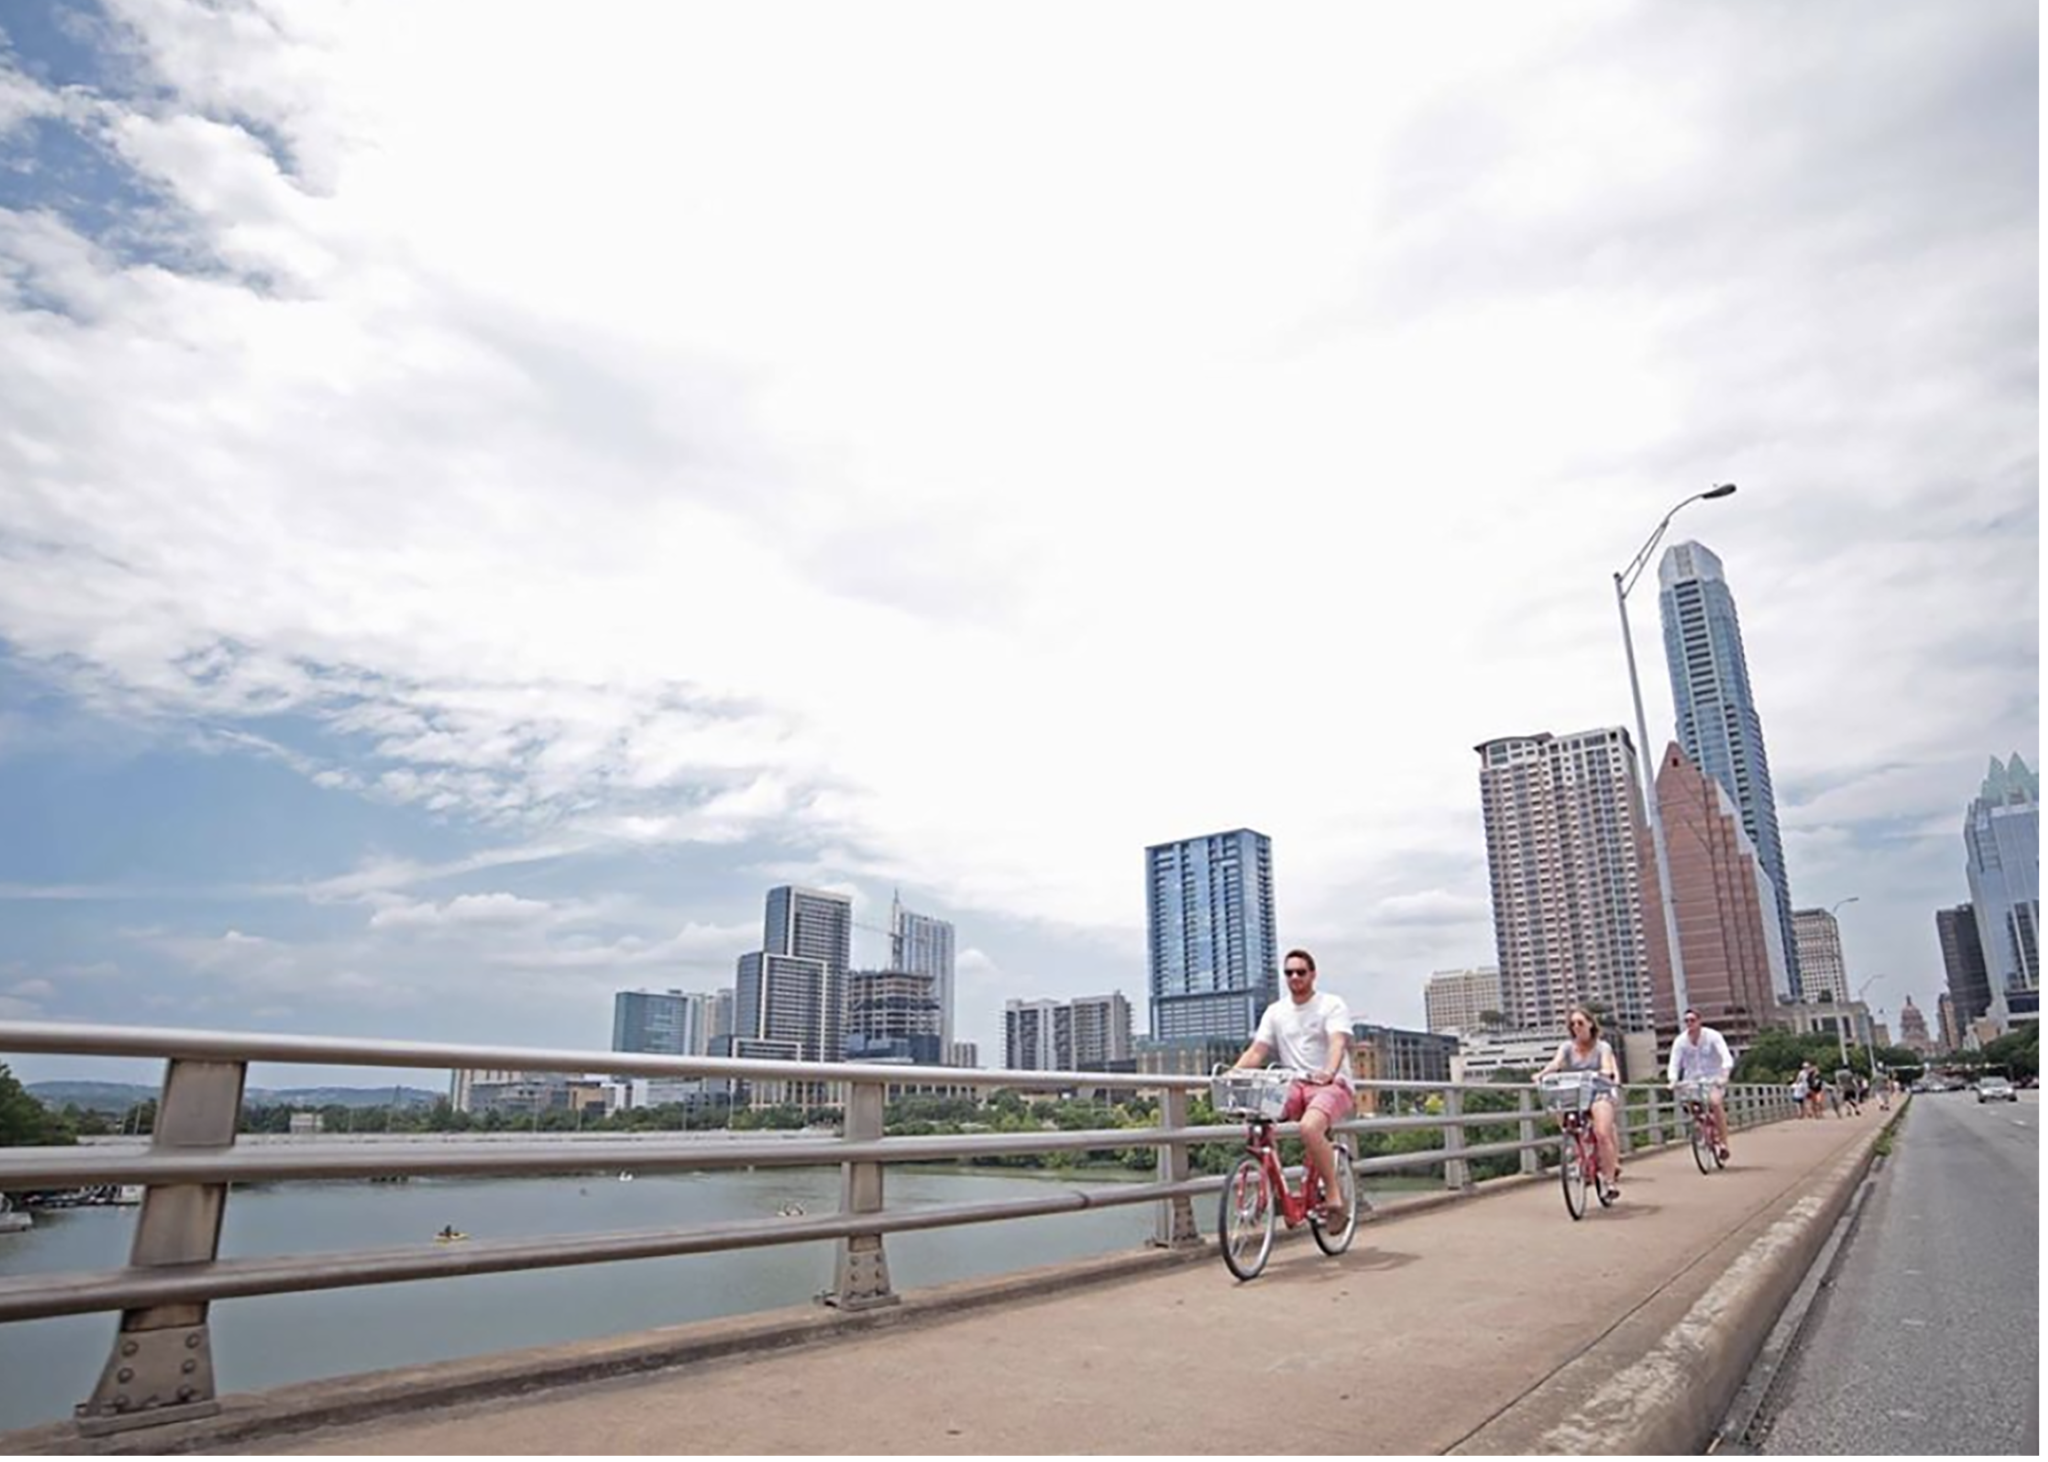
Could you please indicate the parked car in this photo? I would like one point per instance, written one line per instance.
(1995, 1089)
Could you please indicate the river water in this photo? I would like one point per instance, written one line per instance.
(269, 1340)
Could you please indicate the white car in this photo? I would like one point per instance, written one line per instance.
(1995, 1089)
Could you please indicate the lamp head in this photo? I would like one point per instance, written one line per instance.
(1726, 489)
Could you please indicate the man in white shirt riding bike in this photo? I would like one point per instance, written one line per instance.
(1310, 1033)
(1701, 1055)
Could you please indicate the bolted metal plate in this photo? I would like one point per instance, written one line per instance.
(153, 1377)
(863, 1280)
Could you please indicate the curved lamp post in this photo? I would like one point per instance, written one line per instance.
(1841, 1040)
(1625, 580)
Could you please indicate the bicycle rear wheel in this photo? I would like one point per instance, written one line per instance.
(1346, 1201)
(1703, 1143)
(1572, 1173)
(1244, 1222)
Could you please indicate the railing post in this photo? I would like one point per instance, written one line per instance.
(1457, 1172)
(1525, 1103)
(1656, 1122)
(161, 1369)
(860, 1280)
(1175, 1227)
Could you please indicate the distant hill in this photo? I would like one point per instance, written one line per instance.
(116, 1097)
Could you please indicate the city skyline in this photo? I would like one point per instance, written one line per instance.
(447, 573)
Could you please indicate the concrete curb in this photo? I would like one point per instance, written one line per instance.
(1661, 1382)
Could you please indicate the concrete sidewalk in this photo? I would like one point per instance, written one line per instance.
(1498, 1324)
(1494, 1324)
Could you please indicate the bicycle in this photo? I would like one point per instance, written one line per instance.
(1255, 1195)
(1569, 1096)
(1709, 1142)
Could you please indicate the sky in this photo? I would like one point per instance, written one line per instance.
(483, 497)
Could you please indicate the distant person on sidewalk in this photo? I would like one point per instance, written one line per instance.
(1699, 1054)
(1310, 1033)
(1583, 1050)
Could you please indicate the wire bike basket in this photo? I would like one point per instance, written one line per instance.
(1256, 1094)
(1694, 1090)
(1571, 1091)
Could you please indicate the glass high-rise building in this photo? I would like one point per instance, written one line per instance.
(1962, 956)
(2003, 836)
(922, 945)
(1215, 960)
(1718, 724)
(792, 991)
(672, 1023)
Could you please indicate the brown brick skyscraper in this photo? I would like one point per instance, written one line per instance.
(1727, 915)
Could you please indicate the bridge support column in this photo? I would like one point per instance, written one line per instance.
(860, 1279)
(161, 1369)
(1175, 1228)
(1457, 1172)
(1525, 1103)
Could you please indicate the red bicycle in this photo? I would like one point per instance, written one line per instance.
(1709, 1142)
(1256, 1195)
(1569, 1096)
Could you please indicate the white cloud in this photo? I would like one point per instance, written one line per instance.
(729, 449)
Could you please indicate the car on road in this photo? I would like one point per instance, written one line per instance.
(1995, 1089)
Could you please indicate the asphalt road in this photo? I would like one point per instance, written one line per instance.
(1927, 1340)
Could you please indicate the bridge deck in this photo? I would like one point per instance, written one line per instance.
(1497, 1323)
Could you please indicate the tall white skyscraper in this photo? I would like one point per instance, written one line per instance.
(1563, 817)
(922, 945)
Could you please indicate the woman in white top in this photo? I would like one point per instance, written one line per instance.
(1585, 1051)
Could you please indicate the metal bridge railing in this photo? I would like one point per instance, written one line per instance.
(161, 1368)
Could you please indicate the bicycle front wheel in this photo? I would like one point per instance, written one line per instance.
(1345, 1200)
(1572, 1173)
(1244, 1223)
(1703, 1144)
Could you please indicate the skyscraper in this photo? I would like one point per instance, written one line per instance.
(1563, 822)
(2003, 836)
(1454, 1000)
(1031, 1035)
(1101, 1031)
(893, 1015)
(1735, 968)
(673, 1023)
(923, 945)
(1962, 956)
(789, 1000)
(1718, 725)
(1209, 922)
(1822, 970)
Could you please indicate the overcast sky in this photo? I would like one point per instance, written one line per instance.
(486, 491)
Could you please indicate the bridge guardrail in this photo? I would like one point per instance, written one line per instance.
(161, 1370)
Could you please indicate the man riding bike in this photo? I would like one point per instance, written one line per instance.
(1701, 1055)
(1310, 1033)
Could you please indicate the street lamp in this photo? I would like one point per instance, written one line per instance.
(1841, 1040)
(1624, 581)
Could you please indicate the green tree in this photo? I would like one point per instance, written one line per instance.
(26, 1122)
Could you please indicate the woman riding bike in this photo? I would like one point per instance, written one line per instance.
(1585, 1051)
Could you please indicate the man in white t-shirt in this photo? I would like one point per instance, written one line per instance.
(1311, 1033)
(1700, 1054)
